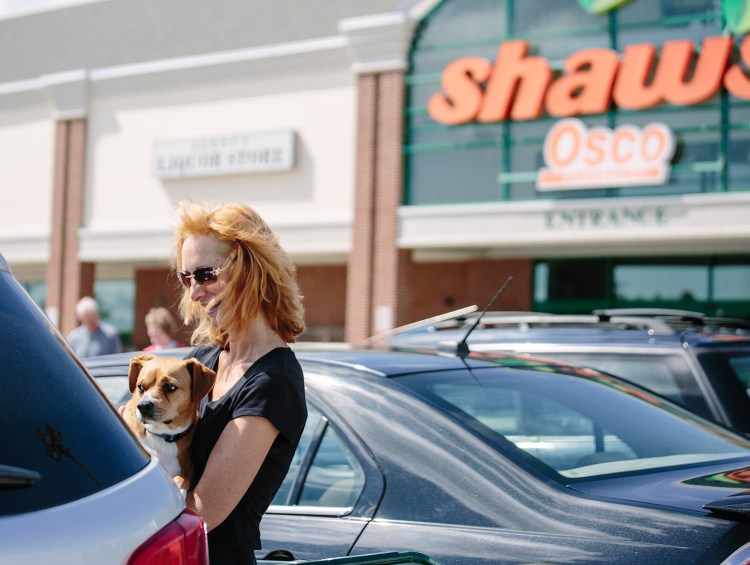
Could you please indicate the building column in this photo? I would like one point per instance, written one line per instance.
(373, 290)
(67, 277)
(360, 266)
(379, 45)
(65, 272)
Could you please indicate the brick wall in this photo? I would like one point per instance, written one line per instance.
(153, 288)
(324, 292)
(436, 287)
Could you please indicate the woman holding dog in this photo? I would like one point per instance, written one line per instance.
(241, 292)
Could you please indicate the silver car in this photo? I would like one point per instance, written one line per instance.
(75, 484)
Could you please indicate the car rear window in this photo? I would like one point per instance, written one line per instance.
(577, 425)
(60, 440)
(667, 374)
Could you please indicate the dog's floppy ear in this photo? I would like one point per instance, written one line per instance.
(203, 378)
(136, 364)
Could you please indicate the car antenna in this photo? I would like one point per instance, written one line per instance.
(461, 348)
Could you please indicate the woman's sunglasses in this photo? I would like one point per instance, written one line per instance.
(202, 275)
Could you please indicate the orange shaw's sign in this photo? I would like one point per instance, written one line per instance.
(599, 157)
(519, 86)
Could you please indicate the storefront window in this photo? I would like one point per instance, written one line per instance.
(473, 171)
(558, 16)
(738, 153)
(713, 285)
(38, 291)
(468, 28)
(116, 300)
(638, 284)
(731, 282)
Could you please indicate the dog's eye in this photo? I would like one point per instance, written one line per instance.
(140, 388)
(169, 388)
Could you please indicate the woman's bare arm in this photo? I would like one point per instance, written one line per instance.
(231, 468)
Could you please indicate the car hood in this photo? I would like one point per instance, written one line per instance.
(723, 489)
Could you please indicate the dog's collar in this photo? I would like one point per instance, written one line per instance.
(171, 438)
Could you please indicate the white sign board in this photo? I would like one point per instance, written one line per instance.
(225, 155)
(578, 157)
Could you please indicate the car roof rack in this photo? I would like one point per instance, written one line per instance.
(655, 320)
(463, 318)
(683, 315)
(684, 319)
(527, 320)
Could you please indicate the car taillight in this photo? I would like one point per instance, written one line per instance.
(181, 542)
(739, 557)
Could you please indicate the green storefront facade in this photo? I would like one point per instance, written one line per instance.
(501, 91)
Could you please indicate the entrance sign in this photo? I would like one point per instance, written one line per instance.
(600, 157)
(519, 86)
(606, 217)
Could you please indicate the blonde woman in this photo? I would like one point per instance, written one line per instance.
(240, 291)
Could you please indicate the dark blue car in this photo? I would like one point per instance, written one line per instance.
(700, 362)
(510, 461)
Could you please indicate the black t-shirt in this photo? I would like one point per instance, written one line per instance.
(273, 388)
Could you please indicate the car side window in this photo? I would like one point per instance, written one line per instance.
(285, 490)
(335, 477)
(324, 471)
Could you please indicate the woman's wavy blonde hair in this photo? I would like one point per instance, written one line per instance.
(260, 274)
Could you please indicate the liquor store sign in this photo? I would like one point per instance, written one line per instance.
(519, 86)
(224, 155)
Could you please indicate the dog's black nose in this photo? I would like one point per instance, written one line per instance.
(146, 407)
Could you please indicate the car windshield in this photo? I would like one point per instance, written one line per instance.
(578, 424)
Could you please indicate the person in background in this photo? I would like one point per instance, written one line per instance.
(240, 290)
(92, 337)
(161, 327)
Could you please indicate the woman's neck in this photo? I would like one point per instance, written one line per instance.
(250, 346)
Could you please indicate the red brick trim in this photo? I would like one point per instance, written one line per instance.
(66, 274)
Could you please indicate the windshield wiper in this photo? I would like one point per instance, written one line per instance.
(16, 477)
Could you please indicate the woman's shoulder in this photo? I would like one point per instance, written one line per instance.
(206, 354)
(279, 359)
(277, 366)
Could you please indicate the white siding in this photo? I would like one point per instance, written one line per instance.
(124, 195)
(26, 171)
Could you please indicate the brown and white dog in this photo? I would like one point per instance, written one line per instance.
(163, 409)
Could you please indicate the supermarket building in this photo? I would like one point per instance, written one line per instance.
(411, 155)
